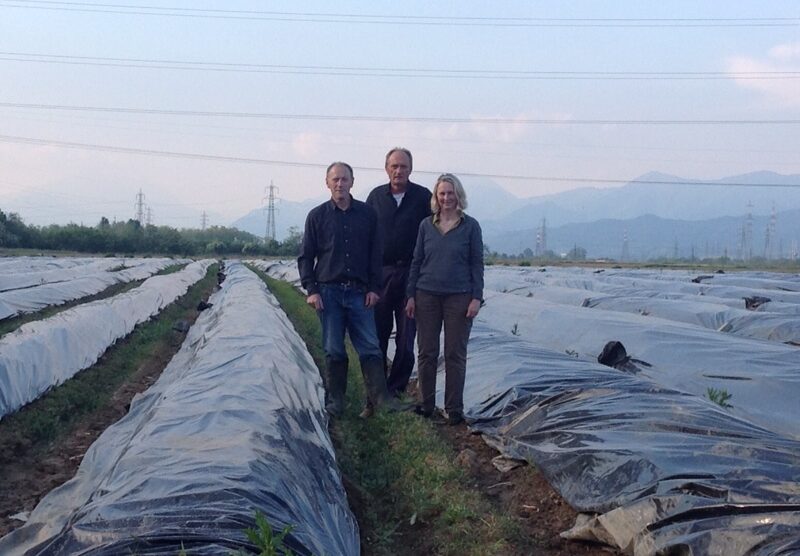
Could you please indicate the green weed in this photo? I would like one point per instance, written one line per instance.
(269, 543)
(719, 397)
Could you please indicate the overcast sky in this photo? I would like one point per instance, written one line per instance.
(202, 104)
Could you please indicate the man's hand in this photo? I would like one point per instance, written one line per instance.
(315, 300)
(371, 299)
(473, 308)
(411, 307)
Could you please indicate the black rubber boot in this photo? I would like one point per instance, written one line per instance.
(375, 384)
(334, 377)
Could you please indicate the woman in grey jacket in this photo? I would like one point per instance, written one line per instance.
(445, 287)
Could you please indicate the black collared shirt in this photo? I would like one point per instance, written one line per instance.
(399, 225)
(340, 246)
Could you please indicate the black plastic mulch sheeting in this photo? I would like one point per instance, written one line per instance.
(666, 470)
(234, 424)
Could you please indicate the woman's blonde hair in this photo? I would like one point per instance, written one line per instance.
(461, 195)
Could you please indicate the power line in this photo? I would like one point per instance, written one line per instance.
(217, 158)
(440, 73)
(327, 117)
(401, 19)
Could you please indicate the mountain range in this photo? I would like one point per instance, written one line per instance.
(662, 215)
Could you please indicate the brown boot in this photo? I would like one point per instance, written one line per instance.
(368, 411)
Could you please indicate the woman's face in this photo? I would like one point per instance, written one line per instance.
(446, 196)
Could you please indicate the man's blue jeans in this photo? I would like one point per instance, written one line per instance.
(344, 310)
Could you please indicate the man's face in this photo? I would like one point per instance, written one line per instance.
(398, 168)
(339, 181)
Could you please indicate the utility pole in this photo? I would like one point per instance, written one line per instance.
(139, 208)
(269, 234)
(203, 220)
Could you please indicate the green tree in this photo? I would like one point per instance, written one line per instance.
(577, 254)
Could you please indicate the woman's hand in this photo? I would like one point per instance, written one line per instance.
(410, 308)
(473, 308)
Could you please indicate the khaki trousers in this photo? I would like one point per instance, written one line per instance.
(432, 312)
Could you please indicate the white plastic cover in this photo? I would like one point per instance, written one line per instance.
(42, 354)
(234, 424)
(280, 270)
(14, 265)
(87, 282)
(19, 276)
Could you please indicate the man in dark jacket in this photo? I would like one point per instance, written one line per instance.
(401, 205)
(340, 265)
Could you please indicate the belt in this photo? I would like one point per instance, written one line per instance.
(347, 284)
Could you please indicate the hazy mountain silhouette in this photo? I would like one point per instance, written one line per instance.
(651, 237)
(658, 210)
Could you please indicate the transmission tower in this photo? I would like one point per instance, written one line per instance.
(769, 236)
(625, 249)
(541, 239)
(270, 191)
(149, 216)
(139, 207)
(203, 220)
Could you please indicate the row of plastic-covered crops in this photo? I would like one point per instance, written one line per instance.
(645, 446)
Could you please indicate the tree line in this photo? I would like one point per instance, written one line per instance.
(129, 237)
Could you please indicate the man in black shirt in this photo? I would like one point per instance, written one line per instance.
(339, 267)
(401, 205)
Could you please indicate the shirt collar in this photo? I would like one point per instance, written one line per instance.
(460, 218)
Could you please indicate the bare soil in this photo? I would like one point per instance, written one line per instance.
(521, 493)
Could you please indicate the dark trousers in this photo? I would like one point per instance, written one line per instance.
(432, 312)
(390, 311)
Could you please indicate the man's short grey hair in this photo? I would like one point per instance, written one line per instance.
(400, 150)
(461, 195)
(339, 163)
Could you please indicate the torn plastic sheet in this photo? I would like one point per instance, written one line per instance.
(45, 353)
(234, 424)
(761, 376)
(668, 472)
(34, 298)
